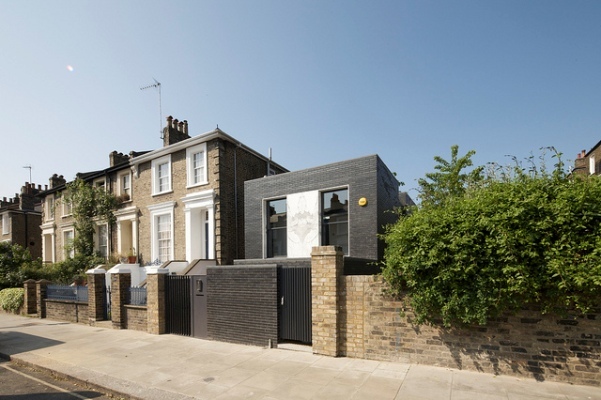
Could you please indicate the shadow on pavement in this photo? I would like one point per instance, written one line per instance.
(12, 343)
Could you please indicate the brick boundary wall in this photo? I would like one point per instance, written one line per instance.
(64, 310)
(372, 325)
(136, 317)
(242, 304)
(528, 344)
(120, 283)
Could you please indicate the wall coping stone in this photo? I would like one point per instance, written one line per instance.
(157, 270)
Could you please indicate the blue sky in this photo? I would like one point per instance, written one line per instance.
(316, 81)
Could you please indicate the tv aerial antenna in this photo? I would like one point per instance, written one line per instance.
(29, 167)
(157, 85)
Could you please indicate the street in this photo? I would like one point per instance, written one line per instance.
(18, 382)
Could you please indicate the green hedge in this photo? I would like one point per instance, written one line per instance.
(526, 238)
(12, 299)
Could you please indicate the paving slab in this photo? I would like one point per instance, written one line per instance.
(139, 365)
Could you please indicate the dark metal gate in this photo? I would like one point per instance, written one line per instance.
(294, 293)
(179, 307)
(186, 307)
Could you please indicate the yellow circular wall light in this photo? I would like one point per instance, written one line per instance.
(362, 201)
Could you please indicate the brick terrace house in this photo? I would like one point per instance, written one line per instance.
(57, 226)
(183, 201)
(589, 163)
(20, 219)
(189, 195)
(344, 204)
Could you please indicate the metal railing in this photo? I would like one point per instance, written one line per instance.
(67, 292)
(137, 296)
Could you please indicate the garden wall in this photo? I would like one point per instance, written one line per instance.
(136, 318)
(70, 311)
(369, 324)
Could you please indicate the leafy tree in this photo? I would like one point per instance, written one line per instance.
(12, 257)
(450, 180)
(89, 205)
(471, 252)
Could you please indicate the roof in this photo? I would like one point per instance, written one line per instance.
(204, 137)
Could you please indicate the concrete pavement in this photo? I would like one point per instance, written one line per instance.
(140, 365)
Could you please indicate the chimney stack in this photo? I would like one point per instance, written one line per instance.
(56, 181)
(117, 158)
(175, 131)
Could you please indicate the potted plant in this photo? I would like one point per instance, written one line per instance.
(131, 256)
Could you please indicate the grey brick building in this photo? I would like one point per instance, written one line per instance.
(345, 204)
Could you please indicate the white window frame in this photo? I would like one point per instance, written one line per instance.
(106, 244)
(5, 224)
(49, 208)
(591, 165)
(67, 208)
(100, 183)
(48, 254)
(155, 175)
(157, 211)
(122, 190)
(190, 153)
(70, 253)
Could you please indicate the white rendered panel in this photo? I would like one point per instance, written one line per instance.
(303, 223)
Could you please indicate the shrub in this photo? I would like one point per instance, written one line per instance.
(16, 265)
(512, 239)
(12, 299)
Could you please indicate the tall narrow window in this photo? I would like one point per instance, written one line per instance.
(197, 165)
(103, 244)
(163, 171)
(276, 228)
(161, 175)
(49, 210)
(67, 208)
(334, 214)
(5, 224)
(68, 237)
(592, 166)
(126, 185)
(163, 223)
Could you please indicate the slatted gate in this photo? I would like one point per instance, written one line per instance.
(294, 293)
(186, 307)
(179, 307)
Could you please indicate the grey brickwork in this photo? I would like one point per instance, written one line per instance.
(242, 304)
(366, 177)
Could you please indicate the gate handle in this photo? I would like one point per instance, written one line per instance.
(282, 301)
